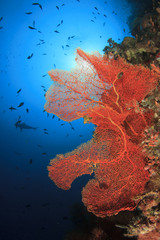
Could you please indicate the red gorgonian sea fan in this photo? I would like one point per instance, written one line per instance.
(105, 91)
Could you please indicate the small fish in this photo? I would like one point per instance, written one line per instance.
(98, 13)
(38, 4)
(92, 21)
(30, 27)
(28, 205)
(54, 65)
(44, 153)
(44, 75)
(39, 31)
(67, 45)
(58, 25)
(42, 86)
(62, 47)
(62, 5)
(53, 116)
(80, 135)
(45, 129)
(12, 108)
(72, 36)
(29, 57)
(61, 21)
(27, 110)
(56, 31)
(19, 90)
(30, 161)
(1, 18)
(21, 104)
(124, 30)
(47, 114)
(44, 54)
(96, 8)
(69, 38)
(1, 27)
(45, 132)
(40, 146)
(104, 15)
(57, 7)
(28, 13)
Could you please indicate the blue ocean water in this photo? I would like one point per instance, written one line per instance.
(32, 206)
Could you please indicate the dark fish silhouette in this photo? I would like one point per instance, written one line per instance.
(30, 27)
(62, 5)
(22, 125)
(72, 36)
(62, 47)
(71, 126)
(57, 7)
(19, 90)
(56, 31)
(96, 8)
(40, 146)
(28, 206)
(42, 86)
(58, 25)
(1, 27)
(104, 15)
(21, 104)
(45, 132)
(1, 18)
(53, 116)
(67, 45)
(44, 75)
(27, 110)
(44, 153)
(38, 4)
(104, 24)
(92, 21)
(29, 57)
(28, 13)
(12, 108)
(30, 161)
(61, 21)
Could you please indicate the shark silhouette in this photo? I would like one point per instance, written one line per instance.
(22, 125)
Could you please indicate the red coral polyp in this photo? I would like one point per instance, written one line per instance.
(107, 92)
